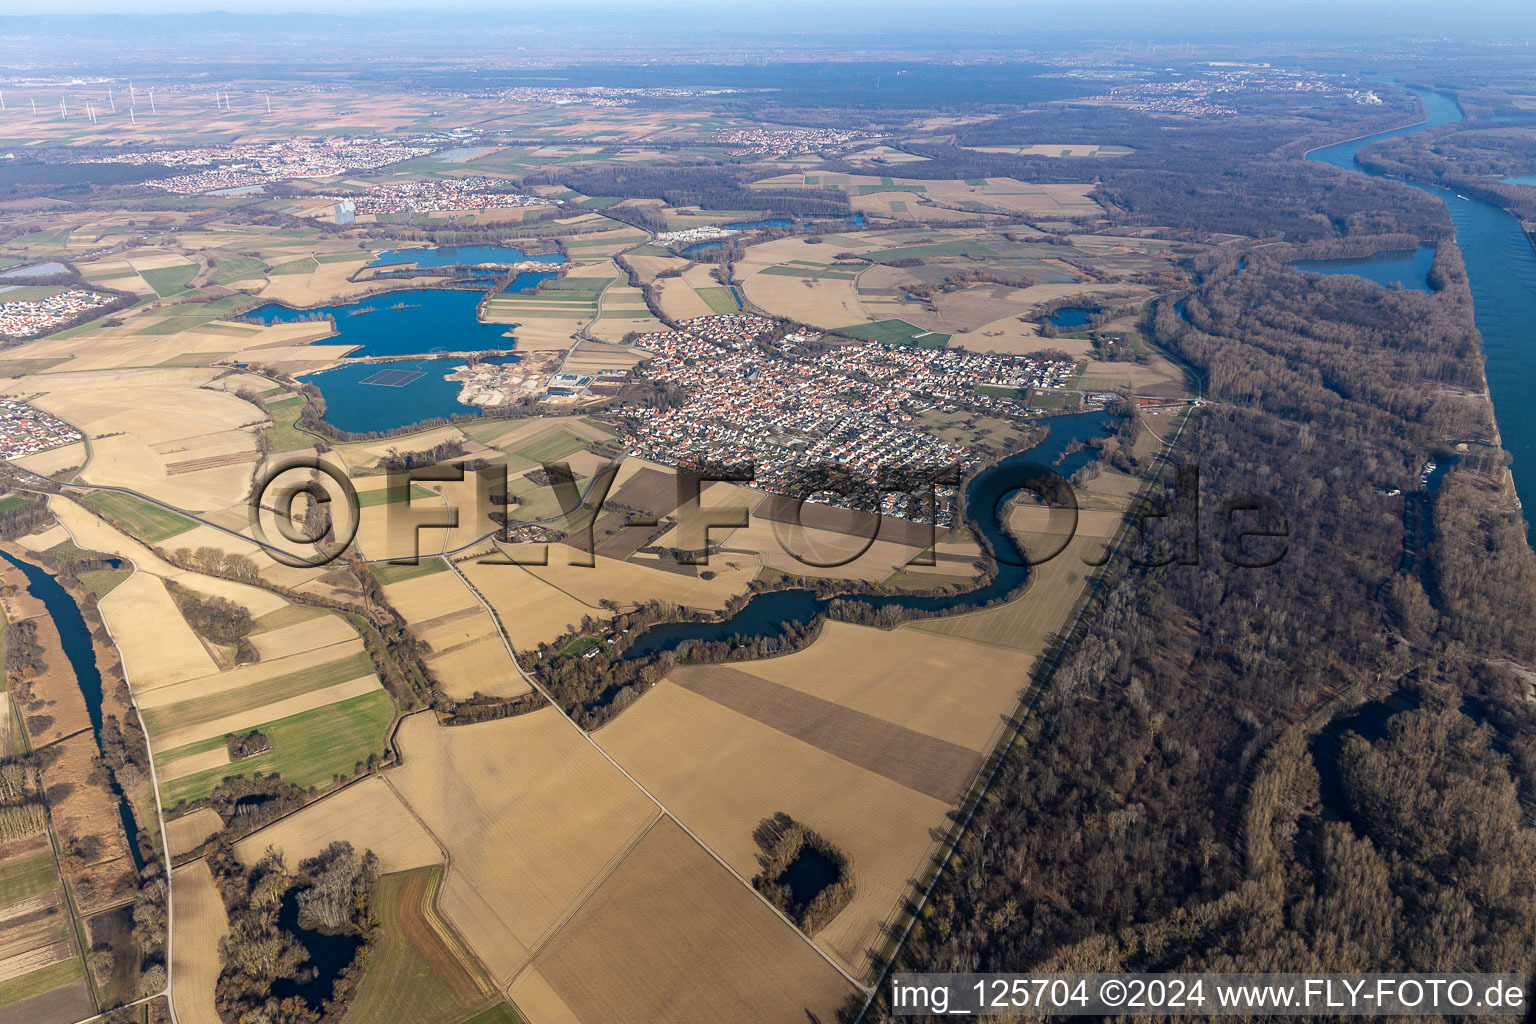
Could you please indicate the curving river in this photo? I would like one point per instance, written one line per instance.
(75, 638)
(765, 614)
(1501, 269)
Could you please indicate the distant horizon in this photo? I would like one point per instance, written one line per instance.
(1511, 19)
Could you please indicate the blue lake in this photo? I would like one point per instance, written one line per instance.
(761, 225)
(787, 222)
(1520, 179)
(364, 408)
(460, 256)
(528, 280)
(404, 322)
(1408, 269)
(1070, 318)
(690, 251)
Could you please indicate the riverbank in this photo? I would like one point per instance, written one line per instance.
(783, 619)
(66, 708)
(1500, 265)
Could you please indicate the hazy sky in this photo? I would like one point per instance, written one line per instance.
(1513, 20)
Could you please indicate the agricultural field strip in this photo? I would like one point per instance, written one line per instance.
(420, 971)
(256, 696)
(474, 641)
(394, 831)
(295, 674)
(311, 638)
(250, 718)
(41, 929)
(928, 765)
(447, 618)
(311, 747)
(185, 833)
(25, 878)
(192, 764)
(35, 959)
(27, 905)
(197, 910)
(746, 883)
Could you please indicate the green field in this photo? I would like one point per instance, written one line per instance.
(574, 285)
(195, 359)
(31, 292)
(284, 435)
(719, 299)
(307, 265)
(621, 240)
(59, 236)
(101, 582)
(288, 615)
(387, 574)
(173, 325)
(11, 502)
(391, 495)
(228, 702)
(581, 645)
(896, 332)
(933, 251)
(24, 367)
(501, 1013)
(552, 448)
(143, 520)
(36, 983)
(1048, 400)
(413, 975)
(234, 267)
(309, 749)
(785, 271)
(170, 280)
(23, 878)
(583, 312)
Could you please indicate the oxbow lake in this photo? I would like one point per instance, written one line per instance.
(1403, 269)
